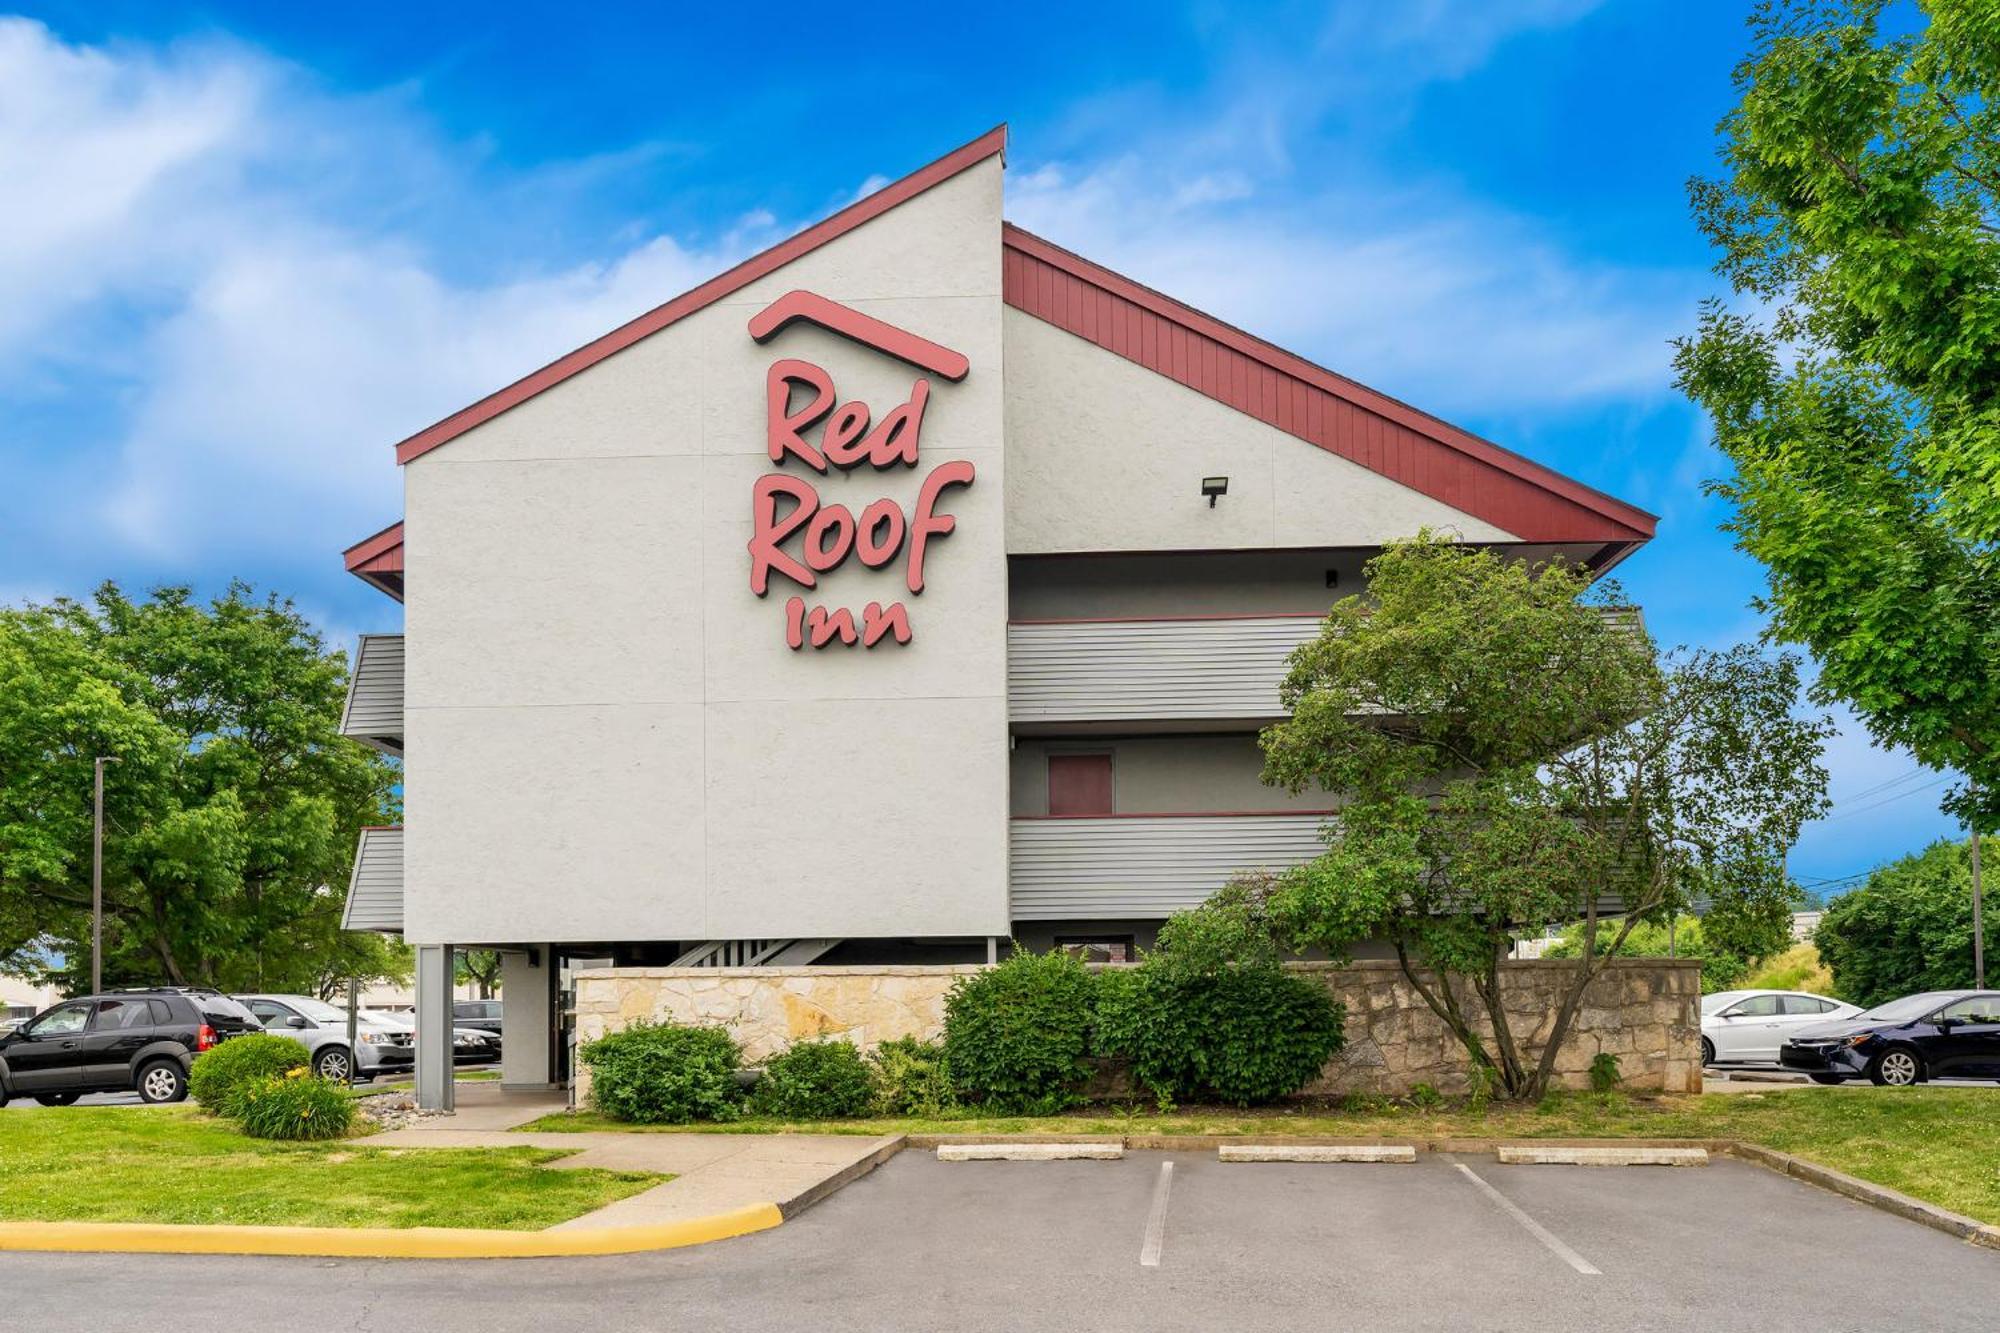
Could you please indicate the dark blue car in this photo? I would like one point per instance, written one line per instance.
(1938, 1034)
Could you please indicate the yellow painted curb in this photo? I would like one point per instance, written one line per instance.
(383, 1242)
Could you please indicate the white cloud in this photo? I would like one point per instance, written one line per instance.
(216, 246)
(1411, 289)
(1441, 39)
(89, 143)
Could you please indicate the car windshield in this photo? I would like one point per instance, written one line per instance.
(1907, 1008)
(1711, 1003)
(318, 1011)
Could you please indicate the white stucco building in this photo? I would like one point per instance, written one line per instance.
(913, 585)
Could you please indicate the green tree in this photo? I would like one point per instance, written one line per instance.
(232, 817)
(1504, 753)
(1909, 928)
(1725, 952)
(1859, 214)
(481, 967)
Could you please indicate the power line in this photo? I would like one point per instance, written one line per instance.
(1890, 800)
(1884, 786)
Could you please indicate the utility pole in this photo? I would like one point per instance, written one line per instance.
(97, 874)
(1978, 908)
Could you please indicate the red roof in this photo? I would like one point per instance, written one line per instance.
(1420, 451)
(378, 560)
(1311, 402)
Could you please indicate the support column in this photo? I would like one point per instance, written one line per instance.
(527, 1018)
(434, 1027)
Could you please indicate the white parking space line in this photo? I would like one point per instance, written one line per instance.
(1156, 1221)
(1535, 1229)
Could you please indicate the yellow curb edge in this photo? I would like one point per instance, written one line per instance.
(383, 1242)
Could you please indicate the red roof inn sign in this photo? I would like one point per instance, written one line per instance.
(799, 396)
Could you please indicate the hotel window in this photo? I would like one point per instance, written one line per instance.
(1079, 784)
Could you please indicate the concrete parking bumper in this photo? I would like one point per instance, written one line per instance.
(1279, 1152)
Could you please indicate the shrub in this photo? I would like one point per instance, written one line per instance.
(1604, 1073)
(815, 1080)
(1425, 1097)
(220, 1074)
(1016, 1035)
(664, 1074)
(295, 1105)
(912, 1077)
(1210, 1014)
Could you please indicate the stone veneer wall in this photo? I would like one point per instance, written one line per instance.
(1644, 1011)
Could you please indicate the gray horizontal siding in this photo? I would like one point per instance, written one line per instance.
(1145, 865)
(1121, 671)
(1165, 670)
(375, 893)
(375, 694)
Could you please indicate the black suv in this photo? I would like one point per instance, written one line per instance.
(140, 1040)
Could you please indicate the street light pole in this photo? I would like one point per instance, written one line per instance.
(97, 873)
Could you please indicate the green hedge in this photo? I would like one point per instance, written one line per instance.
(1017, 1036)
(815, 1080)
(221, 1074)
(1211, 1014)
(1240, 1036)
(665, 1074)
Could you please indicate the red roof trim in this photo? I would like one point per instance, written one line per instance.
(386, 543)
(378, 560)
(992, 142)
(1481, 478)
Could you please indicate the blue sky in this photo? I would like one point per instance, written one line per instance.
(246, 247)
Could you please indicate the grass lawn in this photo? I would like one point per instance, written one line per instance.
(1939, 1144)
(175, 1164)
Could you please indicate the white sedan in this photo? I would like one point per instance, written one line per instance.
(1746, 1027)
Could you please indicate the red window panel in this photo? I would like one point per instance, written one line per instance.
(1079, 784)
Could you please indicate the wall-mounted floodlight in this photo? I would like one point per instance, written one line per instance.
(1214, 487)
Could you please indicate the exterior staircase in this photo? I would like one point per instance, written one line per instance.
(754, 953)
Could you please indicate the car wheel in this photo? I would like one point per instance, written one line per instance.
(331, 1064)
(162, 1081)
(57, 1098)
(1830, 1080)
(1895, 1068)
(1707, 1051)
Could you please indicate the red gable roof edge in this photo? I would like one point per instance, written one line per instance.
(1282, 389)
(723, 284)
(378, 560)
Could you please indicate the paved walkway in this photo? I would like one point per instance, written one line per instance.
(713, 1172)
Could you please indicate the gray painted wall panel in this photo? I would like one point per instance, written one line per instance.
(1146, 866)
(1122, 671)
(375, 694)
(375, 892)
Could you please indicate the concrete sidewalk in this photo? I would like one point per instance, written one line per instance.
(713, 1172)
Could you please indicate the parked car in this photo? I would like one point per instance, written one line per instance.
(468, 1045)
(1747, 1027)
(139, 1040)
(1935, 1034)
(480, 1015)
(382, 1048)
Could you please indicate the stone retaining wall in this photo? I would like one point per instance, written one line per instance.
(1644, 1011)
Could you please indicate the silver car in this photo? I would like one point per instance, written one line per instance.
(385, 1048)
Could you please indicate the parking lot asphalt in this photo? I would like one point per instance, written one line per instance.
(920, 1244)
